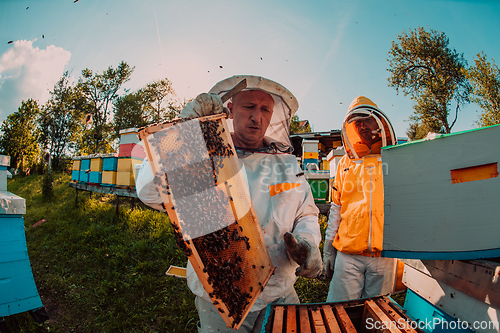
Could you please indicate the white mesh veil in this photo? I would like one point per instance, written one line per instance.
(285, 104)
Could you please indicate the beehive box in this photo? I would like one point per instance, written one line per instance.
(204, 192)
(96, 162)
(456, 290)
(109, 162)
(84, 169)
(18, 292)
(375, 314)
(125, 175)
(441, 197)
(75, 171)
(108, 178)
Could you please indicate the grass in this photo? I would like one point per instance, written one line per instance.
(100, 272)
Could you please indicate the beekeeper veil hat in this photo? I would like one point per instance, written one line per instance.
(363, 107)
(285, 104)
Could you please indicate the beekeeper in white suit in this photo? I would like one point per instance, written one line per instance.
(259, 117)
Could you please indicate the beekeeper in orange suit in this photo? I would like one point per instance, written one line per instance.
(353, 239)
(259, 122)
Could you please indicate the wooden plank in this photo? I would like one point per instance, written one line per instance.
(105, 189)
(395, 316)
(380, 319)
(278, 319)
(343, 319)
(305, 325)
(398, 277)
(330, 320)
(317, 320)
(291, 320)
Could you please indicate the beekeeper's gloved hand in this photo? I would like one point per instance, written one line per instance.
(305, 253)
(329, 255)
(204, 105)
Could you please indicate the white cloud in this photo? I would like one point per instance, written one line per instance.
(28, 72)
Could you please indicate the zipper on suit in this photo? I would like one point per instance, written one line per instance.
(370, 212)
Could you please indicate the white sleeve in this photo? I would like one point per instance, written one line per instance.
(306, 220)
(146, 190)
(333, 221)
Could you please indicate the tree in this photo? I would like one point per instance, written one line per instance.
(101, 90)
(20, 134)
(61, 120)
(299, 126)
(485, 80)
(155, 94)
(423, 66)
(129, 112)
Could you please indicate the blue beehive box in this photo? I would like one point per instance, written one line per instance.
(95, 177)
(84, 169)
(109, 162)
(75, 175)
(18, 292)
(85, 164)
(431, 318)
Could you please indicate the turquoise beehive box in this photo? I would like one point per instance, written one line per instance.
(18, 292)
(442, 195)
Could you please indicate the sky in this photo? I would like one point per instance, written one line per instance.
(325, 52)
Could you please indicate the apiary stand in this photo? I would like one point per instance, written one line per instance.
(231, 261)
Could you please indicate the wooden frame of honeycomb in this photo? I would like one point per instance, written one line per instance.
(203, 189)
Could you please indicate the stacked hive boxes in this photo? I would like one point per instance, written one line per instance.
(130, 153)
(95, 174)
(17, 286)
(84, 169)
(75, 173)
(109, 164)
(309, 153)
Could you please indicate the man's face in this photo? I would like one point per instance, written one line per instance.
(367, 129)
(251, 112)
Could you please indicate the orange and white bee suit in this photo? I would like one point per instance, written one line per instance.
(353, 240)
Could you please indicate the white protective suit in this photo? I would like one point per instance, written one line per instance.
(280, 194)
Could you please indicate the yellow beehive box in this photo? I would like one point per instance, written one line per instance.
(325, 165)
(336, 144)
(125, 178)
(127, 164)
(321, 146)
(310, 155)
(76, 165)
(96, 163)
(109, 177)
